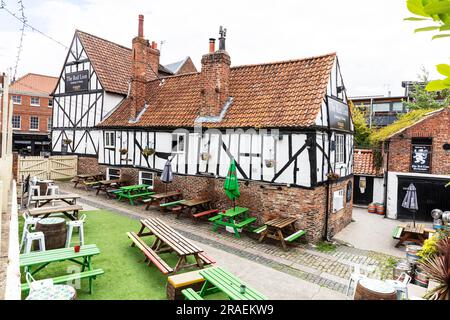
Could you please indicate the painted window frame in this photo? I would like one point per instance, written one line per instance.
(49, 124)
(31, 121)
(176, 148)
(38, 104)
(110, 142)
(143, 179)
(339, 148)
(115, 174)
(19, 102)
(338, 200)
(20, 121)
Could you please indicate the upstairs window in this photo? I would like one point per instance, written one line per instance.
(340, 148)
(110, 139)
(34, 101)
(49, 124)
(16, 122)
(146, 178)
(178, 143)
(50, 103)
(34, 123)
(17, 99)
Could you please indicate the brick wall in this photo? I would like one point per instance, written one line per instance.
(188, 67)
(25, 110)
(264, 201)
(435, 127)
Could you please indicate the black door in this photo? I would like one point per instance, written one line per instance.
(365, 197)
(431, 194)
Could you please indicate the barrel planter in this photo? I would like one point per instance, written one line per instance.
(411, 253)
(421, 278)
(371, 289)
(379, 209)
(372, 208)
(55, 232)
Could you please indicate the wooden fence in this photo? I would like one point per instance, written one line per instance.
(54, 167)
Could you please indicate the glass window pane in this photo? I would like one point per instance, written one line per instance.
(397, 106)
(381, 107)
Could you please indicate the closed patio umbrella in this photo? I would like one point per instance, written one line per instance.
(410, 201)
(231, 185)
(166, 175)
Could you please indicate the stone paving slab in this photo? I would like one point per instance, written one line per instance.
(327, 269)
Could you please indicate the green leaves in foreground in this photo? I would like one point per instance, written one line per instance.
(438, 85)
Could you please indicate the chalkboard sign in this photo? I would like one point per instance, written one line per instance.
(420, 158)
(339, 114)
(77, 81)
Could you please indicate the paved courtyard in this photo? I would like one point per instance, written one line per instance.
(305, 272)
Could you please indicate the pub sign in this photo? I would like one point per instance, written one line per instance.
(421, 159)
(339, 115)
(77, 81)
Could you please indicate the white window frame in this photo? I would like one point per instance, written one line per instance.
(20, 121)
(31, 128)
(141, 179)
(177, 149)
(110, 139)
(338, 200)
(340, 148)
(35, 104)
(18, 98)
(113, 175)
(49, 124)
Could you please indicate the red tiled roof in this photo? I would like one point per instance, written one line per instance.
(364, 163)
(32, 83)
(279, 94)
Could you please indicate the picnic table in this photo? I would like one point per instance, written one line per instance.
(160, 198)
(40, 259)
(276, 228)
(410, 233)
(219, 280)
(235, 218)
(70, 199)
(196, 208)
(87, 179)
(108, 185)
(167, 240)
(133, 192)
(70, 211)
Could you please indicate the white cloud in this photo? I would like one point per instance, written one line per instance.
(377, 50)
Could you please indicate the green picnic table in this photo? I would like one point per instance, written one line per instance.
(41, 259)
(219, 280)
(134, 192)
(235, 218)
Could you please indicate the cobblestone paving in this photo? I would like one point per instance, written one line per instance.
(328, 269)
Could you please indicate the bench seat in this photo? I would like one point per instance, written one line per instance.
(206, 259)
(212, 219)
(205, 213)
(137, 195)
(169, 204)
(150, 254)
(295, 236)
(246, 222)
(397, 232)
(260, 229)
(190, 294)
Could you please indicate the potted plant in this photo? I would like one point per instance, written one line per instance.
(333, 176)
(148, 151)
(269, 163)
(67, 141)
(123, 151)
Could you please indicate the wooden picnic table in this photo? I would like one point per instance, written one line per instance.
(235, 218)
(134, 192)
(157, 199)
(410, 233)
(66, 210)
(107, 185)
(274, 229)
(219, 280)
(87, 179)
(70, 199)
(40, 259)
(169, 240)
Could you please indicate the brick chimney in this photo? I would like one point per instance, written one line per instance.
(144, 68)
(215, 77)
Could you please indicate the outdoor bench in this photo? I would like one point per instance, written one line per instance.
(205, 213)
(245, 222)
(170, 204)
(206, 259)
(260, 229)
(176, 283)
(295, 235)
(190, 294)
(397, 232)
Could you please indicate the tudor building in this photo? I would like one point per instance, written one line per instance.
(201, 120)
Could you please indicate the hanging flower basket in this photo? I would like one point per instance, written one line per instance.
(205, 156)
(123, 151)
(269, 163)
(148, 151)
(333, 176)
(67, 141)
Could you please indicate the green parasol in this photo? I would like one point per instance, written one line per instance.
(231, 185)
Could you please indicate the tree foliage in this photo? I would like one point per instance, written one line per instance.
(362, 131)
(421, 98)
(437, 12)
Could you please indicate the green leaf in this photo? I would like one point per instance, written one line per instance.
(415, 19)
(439, 7)
(443, 69)
(431, 28)
(416, 7)
(445, 27)
(445, 35)
(436, 85)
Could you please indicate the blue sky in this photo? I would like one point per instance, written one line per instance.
(376, 48)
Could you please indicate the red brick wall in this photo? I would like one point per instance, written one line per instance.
(188, 67)
(436, 127)
(264, 201)
(25, 111)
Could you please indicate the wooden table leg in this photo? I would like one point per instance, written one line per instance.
(263, 235)
(200, 263)
(281, 238)
(179, 264)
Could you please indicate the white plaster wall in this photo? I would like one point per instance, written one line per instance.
(378, 190)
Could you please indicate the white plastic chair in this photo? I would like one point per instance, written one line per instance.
(401, 285)
(34, 236)
(28, 224)
(76, 224)
(36, 285)
(355, 277)
(33, 190)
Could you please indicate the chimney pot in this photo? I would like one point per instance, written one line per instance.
(154, 45)
(141, 26)
(212, 44)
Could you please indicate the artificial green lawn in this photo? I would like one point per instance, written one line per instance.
(126, 275)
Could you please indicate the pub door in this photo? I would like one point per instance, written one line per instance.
(365, 196)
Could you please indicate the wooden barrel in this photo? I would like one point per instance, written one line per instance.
(372, 208)
(421, 278)
(371, 289)
(55, 232)
(380, 209)
(411, 253)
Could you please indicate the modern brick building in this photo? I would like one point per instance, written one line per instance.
(369, 181)
(32, 115)
(419, 154)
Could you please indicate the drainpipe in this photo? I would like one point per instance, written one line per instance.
(370, 113)
(327, 185)
(386, 145)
